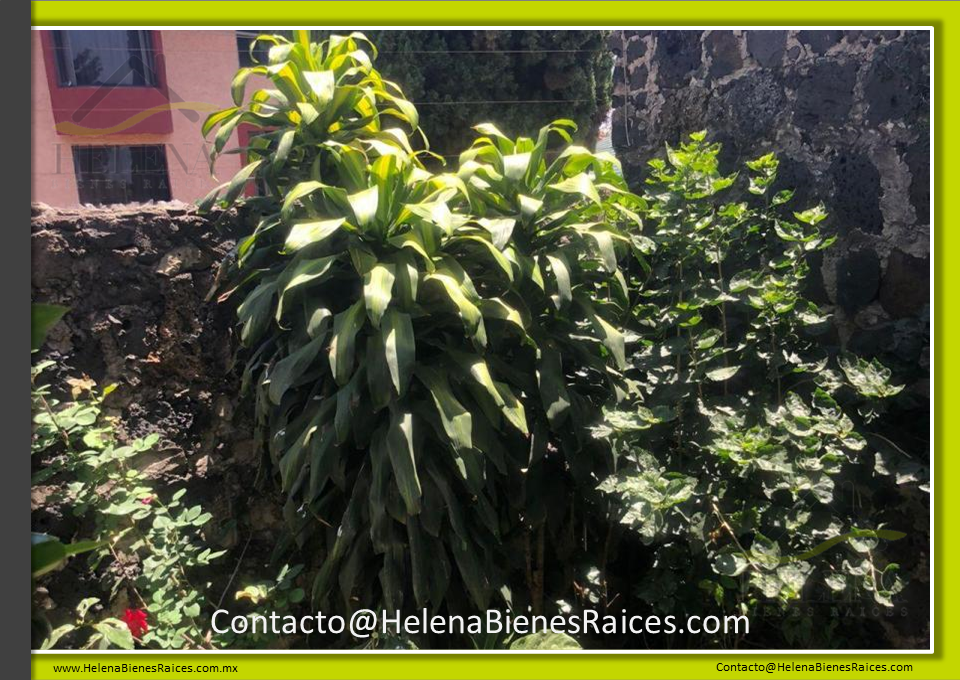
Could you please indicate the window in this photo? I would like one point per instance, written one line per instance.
(116, 58)
(121, 174)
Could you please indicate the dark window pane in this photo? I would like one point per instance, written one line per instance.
(121, 174)
(117, 58)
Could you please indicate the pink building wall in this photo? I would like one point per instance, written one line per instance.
(199, 68)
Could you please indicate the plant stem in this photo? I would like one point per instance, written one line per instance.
(882, 438)
(235, 570)
(726, 526)
(538, 574)
(773, 349)
(123, 570)
(723, 313)
(56, 423)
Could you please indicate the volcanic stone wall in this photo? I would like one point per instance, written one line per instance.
(848, 114)
(136, 281)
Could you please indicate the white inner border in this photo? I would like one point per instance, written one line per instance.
(737, 652)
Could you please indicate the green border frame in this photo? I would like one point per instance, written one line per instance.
(942, 16)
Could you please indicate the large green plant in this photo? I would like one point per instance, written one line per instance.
(749, 468)
(426, 350)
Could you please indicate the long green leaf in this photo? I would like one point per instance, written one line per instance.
(579, 184)
(291, 464)
(378, 372)
(48, 553)
(490, 248)
(399, 345)
(473, 574)
(611, 338)
(529, 206)
(364, 205)
(496, 308)
(468, 312)
(239, 181)
(603, 242)
(454, 509)
(378, 291)
(561, 272)
(300, 274)
(324, 458)
(408, 279)
(420, 561)
(500, 228)
(346, 324)
(499, 392)
(304, 234)
(348, 399)
(300, 191)
(283, 150)
(515, 165)
(286, 371)
(381, 524)
(322, 84)
(217, 117)
(455, 418)
(399, 443)
(239, 84)
(254, 312)
(553, 388)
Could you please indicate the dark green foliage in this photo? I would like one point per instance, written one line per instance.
(500, 66)
(749, 469)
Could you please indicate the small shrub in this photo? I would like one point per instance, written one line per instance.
(748, 468)
(147, 548)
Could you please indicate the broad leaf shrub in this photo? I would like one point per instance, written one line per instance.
(144, 546)
(747, 468)
(426, 350)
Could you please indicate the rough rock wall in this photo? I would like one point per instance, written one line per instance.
(135, 280)
(848, 114)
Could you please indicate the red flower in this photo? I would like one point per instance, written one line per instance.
(147, 500)
(136, 620)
